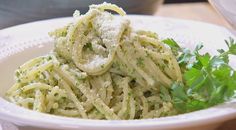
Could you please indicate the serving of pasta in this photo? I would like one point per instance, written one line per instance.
(100, 68)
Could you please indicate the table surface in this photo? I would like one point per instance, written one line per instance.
(200, 12)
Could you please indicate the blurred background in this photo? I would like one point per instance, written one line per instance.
(13, 12)
(183, 1)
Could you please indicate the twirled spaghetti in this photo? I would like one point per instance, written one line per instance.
(101, 68)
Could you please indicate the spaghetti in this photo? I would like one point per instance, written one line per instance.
(101, 68)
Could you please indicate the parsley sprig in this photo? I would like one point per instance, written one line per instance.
(208, 80)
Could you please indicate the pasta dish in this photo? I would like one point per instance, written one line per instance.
(102, 68)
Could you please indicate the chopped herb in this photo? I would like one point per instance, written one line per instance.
(17, 73)
(49, 58)
(129, 94)
(140, 62)
(88, 46)
(18, 81)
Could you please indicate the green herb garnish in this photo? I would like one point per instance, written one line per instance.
(208, 80)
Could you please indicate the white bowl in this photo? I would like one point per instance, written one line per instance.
(227, 8)
(21, 43)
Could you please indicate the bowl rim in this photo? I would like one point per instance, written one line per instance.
(44, 120)
(24, 116)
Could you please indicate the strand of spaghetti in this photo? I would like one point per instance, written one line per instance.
(138, 62)
(60, 32)
(101, 67)
(169, 69)
(155, 42)
(158, 56)
(149, 80)
(53, 97)
(41, 86)
(153, 68)
(94, 84)
(12, 99)
(55, 60)
(32, 73)
(49, 78)
(177, 69)
(106, 88)
(159, 75)
(126, 97)
(64, 45)
(117, 107)
(98, 87)
(169, 73)
(132, 107)
(145, 107)
(39, 103)
(13, 89)
(79, 74)
(95, 114)
(106, 28)
(154, 113)
(109, 88)
(98, 103)
(70, 113)
(108, 6)
(102, 89)
(147, 33)
(31, 63)
(143, 64)
(158, 59)
(88, 105)
(155, 99)
(84, 88)
(25, 102)
(173, 59)
(50, 102)
(73, 97)
(126, 67)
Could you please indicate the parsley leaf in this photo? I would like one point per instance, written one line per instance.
(208, 80)
(231, 45)
(172, 44)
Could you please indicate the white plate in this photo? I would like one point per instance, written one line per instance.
(21, 43)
